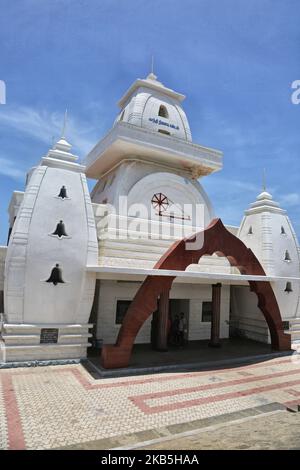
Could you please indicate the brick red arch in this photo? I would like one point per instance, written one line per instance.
(215, 239)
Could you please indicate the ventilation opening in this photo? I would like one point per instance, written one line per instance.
(282, 230)
(56, 275)
(287, 256)
(288, 287)
(163, 112)
(60, 230)
(250, 231)
(63, 193)
(162, 131)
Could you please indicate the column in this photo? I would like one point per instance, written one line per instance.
(215, 319)
(163, 321)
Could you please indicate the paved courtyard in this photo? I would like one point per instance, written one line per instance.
(64, 407)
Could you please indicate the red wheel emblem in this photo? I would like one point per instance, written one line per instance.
(160, 201)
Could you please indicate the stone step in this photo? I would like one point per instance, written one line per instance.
(32, 340)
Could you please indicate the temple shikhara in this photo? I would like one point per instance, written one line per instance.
(142, 258)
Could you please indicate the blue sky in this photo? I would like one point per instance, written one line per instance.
(234, 59)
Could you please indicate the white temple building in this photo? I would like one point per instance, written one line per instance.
(75, 260)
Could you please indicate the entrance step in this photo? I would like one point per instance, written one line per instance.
(97, 371)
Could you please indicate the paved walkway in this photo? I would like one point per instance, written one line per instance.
(275, 431)
(63, 406)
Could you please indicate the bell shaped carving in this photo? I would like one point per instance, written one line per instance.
(56, 276)
(60, 230)
(63, 193)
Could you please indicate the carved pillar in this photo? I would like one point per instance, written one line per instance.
(215, 319)
(163, 321)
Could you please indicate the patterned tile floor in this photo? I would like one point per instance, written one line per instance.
(59, 406)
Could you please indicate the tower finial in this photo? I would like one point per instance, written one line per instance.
(152, 75)
(64, 125)
(264, 180)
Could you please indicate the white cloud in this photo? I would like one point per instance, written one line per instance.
(8, 168)
(46, 127)
(290, 199)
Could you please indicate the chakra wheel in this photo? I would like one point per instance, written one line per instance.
(161, 202)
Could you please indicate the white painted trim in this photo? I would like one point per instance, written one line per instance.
(186, 274)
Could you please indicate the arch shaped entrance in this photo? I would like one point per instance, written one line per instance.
(214, 239)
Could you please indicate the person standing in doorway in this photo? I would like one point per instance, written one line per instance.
(174, 333)
(182, 329)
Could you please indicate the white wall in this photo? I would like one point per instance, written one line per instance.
(111, 291)
(3, 250)
(246, 318)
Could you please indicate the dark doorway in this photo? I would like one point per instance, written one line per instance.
(176, 307)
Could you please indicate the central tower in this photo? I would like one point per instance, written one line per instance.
(148, 156)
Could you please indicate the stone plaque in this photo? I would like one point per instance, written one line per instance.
(49, 335)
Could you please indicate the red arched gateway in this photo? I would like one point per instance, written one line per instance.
(215, 239)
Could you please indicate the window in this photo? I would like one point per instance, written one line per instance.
(163, 112)
(206, 311)
(162, 131)
(122, 115)
(122, 307)
(286, 325)
(282, 230)
(287, 256)
(288, 287)
(250, 231)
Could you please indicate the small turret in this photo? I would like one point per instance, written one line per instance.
(268, 231)
(52, 241)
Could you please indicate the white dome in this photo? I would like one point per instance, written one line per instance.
(150, 105)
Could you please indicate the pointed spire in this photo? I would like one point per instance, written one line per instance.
(61, 149)
(63, 136)
(152, 75)
(264, 201)
(264, 180)
(264, 194)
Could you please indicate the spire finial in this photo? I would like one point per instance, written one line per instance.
(264, 180)
(152, 75)
(64, 125)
